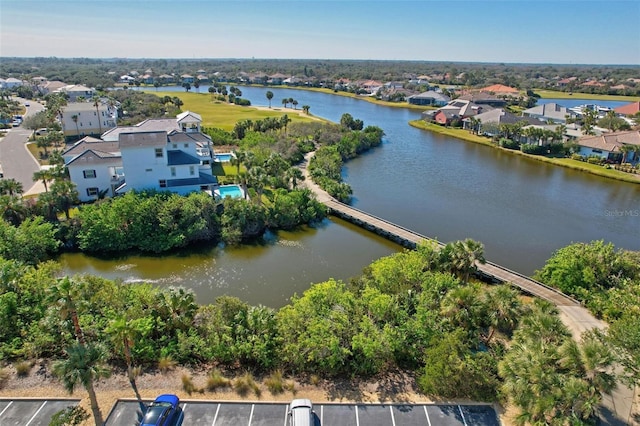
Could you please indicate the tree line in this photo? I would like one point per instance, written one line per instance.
(421, 311)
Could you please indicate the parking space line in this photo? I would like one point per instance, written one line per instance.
(36, 413)
(426, 413)
(216, 416)
(286, 411)
(462, 414)
(357, 418)
(393, 419)
(251, 415)
(322, 414)
(6, 408)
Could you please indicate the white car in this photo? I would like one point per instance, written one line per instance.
(301, 413)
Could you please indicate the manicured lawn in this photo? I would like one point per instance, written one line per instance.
(552, 94)
(224, 115)
(449, 131)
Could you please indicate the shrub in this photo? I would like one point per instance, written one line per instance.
(70, 416)
(216, 380)
(577, 157)
(166, 363)
(533, 149)
(22, 368)
(594, 159)
(275, 383)
(245, 384)
(187, 384)
(314, 379)
(4, 377)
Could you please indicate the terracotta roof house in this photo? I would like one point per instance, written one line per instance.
(483, 98)
(500, 88)
(608, 146)
(551, 111)
(593, 83)
(628, 109)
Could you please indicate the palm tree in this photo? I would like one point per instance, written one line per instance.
(83, 365)
(74, 117)
(461, 257)
(257, 177)
(12, 209)
(65, 195)
(45, 176)
(64, 294)
(269, 97)
(285, 101)
(10, 187)
(294, 103)
(293, 175)
(625, 150)
(123, 335)
(196, 84)
(284, 120)
(504, 308)
(96, 103)
(305, 109)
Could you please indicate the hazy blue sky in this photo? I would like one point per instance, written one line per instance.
(560, 31)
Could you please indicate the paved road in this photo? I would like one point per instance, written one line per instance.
(16, 161)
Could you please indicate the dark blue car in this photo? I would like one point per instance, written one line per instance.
(164, 411)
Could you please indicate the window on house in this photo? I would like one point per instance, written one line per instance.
(599, 151)
(186, 145)
(148, 170)
(175, 146)
(159, 153)
(173, 172)
(192, 170)
(89, 174)
(92, 192)
(163, 183)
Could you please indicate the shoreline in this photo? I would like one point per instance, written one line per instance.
(568, 163)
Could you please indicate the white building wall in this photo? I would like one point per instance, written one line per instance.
(143, 169)
(104, 173)
(87, 120)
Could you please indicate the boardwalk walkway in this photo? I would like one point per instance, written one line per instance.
(616, 408)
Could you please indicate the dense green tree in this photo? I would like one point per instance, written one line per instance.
(269, 96)
(83, 365)
(241, 220)
(30, 242)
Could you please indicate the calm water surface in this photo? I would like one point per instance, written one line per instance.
(521, 209)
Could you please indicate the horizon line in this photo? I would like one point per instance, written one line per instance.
(318, 59)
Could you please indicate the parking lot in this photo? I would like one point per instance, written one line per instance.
(31, 412)
(128, 412)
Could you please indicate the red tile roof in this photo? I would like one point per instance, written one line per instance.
(628, 109)
(499, 88)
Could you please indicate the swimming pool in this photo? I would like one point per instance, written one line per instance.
(224, 157)
(233, 191)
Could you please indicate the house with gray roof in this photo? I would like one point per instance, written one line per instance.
(429, 98)
(495, 117)
(549, 112)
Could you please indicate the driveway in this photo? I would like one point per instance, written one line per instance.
(16, 161)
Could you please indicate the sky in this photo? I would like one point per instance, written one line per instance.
(503, 31)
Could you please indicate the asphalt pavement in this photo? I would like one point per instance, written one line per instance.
(16, 160)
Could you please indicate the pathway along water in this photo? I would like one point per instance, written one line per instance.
(521, 209)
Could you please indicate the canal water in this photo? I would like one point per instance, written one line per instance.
(521, 209)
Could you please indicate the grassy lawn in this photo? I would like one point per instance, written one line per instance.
(564, 162)
(224, 115)
(449, 131)
(565, 95)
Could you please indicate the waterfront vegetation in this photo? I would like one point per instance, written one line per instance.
(420, 310)
(564, 161)
(556, 94)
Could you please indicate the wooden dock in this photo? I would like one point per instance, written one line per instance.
(409, 239)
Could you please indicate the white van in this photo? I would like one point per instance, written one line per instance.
(301, 413)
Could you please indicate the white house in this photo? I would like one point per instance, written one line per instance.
(609, 146)
(10, 83)
(161, 154)
(81, 119)
(77, 91)
(95, 167)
